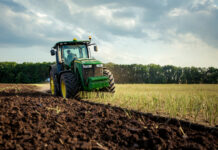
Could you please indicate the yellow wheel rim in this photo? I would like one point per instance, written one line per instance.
(63, 89)
(52, 87)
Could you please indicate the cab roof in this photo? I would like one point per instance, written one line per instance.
(70, 42)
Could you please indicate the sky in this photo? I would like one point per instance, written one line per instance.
(165, 32)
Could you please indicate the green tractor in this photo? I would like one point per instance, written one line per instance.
(76, 71)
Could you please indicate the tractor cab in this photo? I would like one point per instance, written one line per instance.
(71, 53)
(68, 51)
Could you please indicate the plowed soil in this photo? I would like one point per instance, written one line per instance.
(35, 120)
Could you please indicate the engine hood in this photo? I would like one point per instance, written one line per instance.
(88, 61)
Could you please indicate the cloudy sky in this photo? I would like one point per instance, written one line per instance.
(176, 32)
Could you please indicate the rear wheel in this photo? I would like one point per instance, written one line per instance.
(53, 84)
(111, 87)
(69, 85)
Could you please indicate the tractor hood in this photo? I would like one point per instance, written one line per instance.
(88, 61)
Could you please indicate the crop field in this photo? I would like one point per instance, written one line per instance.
(30, 118)
(196, 102)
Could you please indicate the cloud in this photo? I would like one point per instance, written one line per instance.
(13, 5)
(30, 27)
(115, 25)
(109, 19)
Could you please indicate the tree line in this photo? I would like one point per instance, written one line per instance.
(12, 72)
(153, 73)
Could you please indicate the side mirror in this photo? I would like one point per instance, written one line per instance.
(52, 52)
(95, 48)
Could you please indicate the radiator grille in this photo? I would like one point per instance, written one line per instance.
(92, 72)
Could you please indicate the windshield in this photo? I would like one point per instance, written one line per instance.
(72, 52)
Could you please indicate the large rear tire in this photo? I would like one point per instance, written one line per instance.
(110, 76)
(69, 85)
(53, 84)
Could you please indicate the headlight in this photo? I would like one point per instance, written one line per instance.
(87, 66)
(99, 65)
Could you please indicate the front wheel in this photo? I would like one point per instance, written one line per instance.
(110, 76)
(69, 85)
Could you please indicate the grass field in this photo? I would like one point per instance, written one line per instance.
(197, 103)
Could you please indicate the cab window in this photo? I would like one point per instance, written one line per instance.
(72, 52)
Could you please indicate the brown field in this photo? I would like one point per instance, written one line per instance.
(30, 119)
